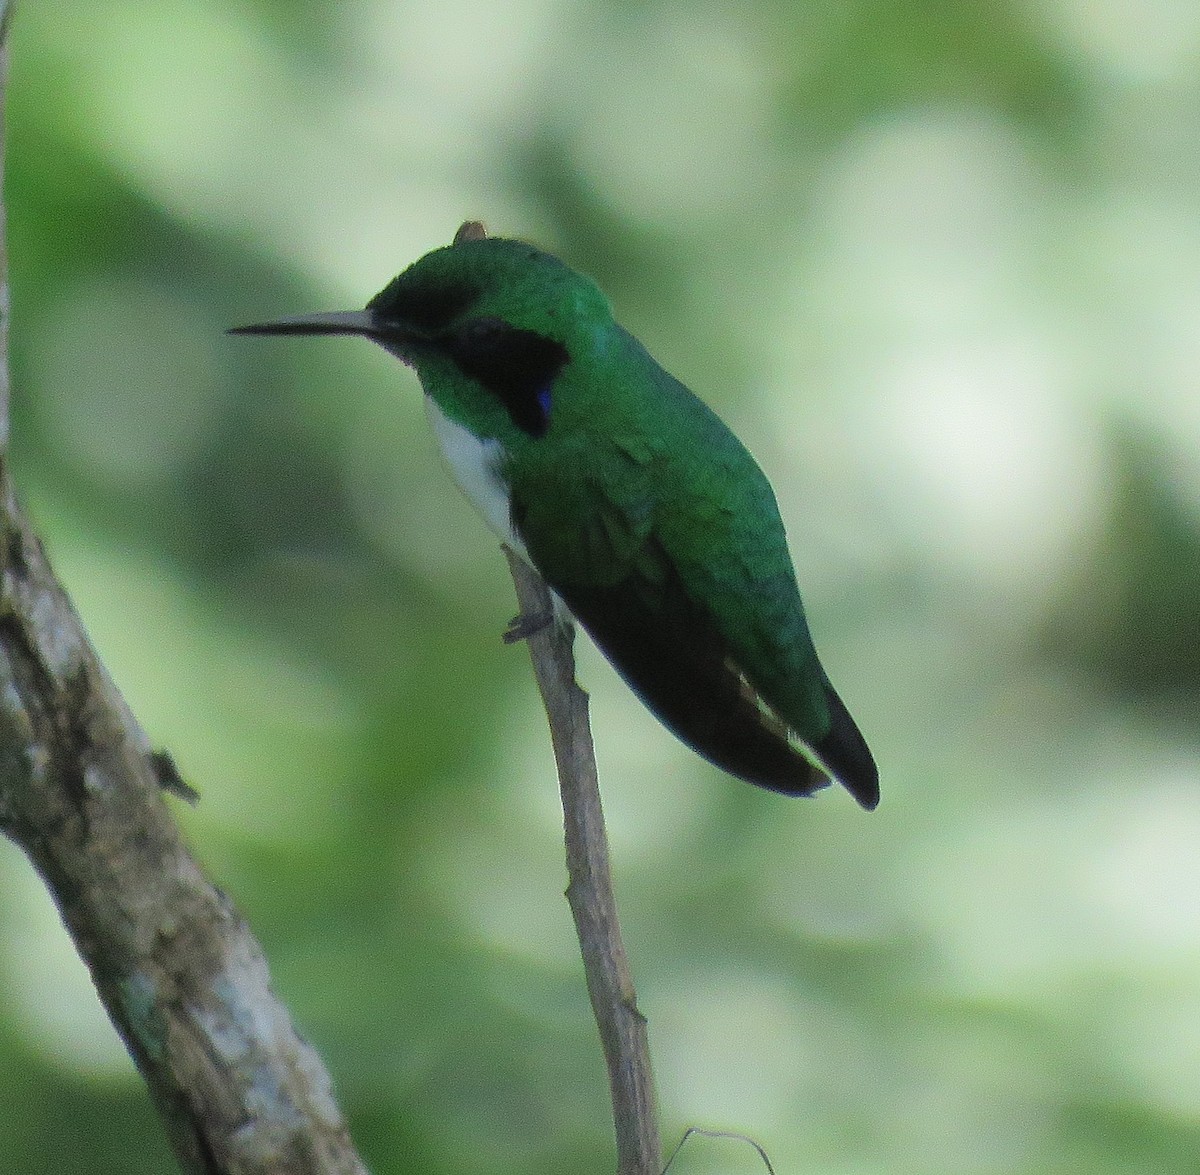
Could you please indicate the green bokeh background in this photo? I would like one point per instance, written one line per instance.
(939, 264)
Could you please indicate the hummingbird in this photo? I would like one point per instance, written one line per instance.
(649, 520)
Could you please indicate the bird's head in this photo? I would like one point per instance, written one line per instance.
(488, 323)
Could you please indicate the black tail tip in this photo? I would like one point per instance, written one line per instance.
(865, 791)
(845, 752)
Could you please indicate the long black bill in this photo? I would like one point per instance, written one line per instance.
(335, 322)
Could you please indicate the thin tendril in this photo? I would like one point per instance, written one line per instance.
(762, 1154)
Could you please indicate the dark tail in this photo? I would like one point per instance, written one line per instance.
(845, 752)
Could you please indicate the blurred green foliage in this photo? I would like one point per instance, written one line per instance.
(938, 264)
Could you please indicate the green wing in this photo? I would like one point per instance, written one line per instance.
(684, 648)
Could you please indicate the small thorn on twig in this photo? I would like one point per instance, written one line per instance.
(169, 779)
(470, 230)
(522, 627)
(762, 1154)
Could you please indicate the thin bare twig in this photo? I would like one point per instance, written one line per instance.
(731, 1134)
(178, 971)
(589, 889)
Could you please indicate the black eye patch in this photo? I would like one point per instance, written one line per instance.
(517, 366)
(430, 308)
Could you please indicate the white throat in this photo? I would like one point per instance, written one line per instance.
(475, 465)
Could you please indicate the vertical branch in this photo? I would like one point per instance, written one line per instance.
(589, 886)
(589, 889)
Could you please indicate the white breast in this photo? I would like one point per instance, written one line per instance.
(475, 465)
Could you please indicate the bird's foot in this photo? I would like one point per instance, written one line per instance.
(521, 628)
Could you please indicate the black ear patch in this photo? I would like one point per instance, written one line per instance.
(517, 366)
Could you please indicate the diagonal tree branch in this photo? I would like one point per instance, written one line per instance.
(175, 965)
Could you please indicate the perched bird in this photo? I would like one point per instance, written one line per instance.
(640, 509)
